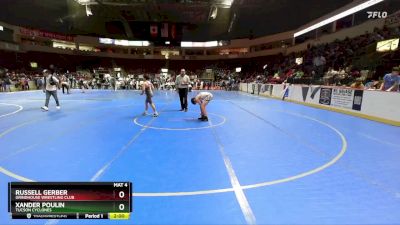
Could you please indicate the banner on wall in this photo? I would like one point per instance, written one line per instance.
(267, 89)
(304, 92)
(350, 101)
(357, 101)
(325, 96)
(285, 92)
(342, 98)
(38, 33)
(314, 90)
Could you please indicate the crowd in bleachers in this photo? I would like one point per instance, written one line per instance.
(20, 80)
(336, 63)
(329, 64)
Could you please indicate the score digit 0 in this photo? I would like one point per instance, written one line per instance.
(121, 194)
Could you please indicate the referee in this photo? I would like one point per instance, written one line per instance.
(182, 83)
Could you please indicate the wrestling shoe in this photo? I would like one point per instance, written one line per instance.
(204, 119)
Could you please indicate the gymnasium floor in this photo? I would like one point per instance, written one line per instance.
(258, 161)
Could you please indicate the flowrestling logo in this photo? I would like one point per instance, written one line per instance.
(377, 14)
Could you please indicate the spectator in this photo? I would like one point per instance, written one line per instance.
(299, 74)
(391, 80)
(357, 84)
(319, 62)
(2, 85)
(364, 73)
(373, 85)
(50, 88)
(7, 83)
(39, 83)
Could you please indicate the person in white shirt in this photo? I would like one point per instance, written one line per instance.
(50, 88)
(203, 98)
(182, 83)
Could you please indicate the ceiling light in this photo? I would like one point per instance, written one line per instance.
(213, 12)
(227, 3)
(338, 16)
(83, 2)
(88, 11)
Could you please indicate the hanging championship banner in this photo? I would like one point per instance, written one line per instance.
(154, 30)
(44, 34)
(164, 30)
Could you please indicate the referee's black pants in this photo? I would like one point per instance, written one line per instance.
(183, 93)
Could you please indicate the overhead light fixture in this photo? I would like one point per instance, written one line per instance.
(145, 43)
(200, 44)
(213, 12)
(84, 2)
(211, 44)
(88, 11)
(118, 42)
(124, 42)
(131, 43)
(338, 16)
(1, 28)
(167, 42)
(231, 23)
(238, 69)
(186, 44)
(226, 3)
(106, 41)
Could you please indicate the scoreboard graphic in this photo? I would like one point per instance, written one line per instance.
(70, 200)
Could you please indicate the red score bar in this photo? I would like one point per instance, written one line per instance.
(69, 192)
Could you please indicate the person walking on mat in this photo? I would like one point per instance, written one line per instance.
(203, 98)
(147, 88)
(50, 88)
(182, 83)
